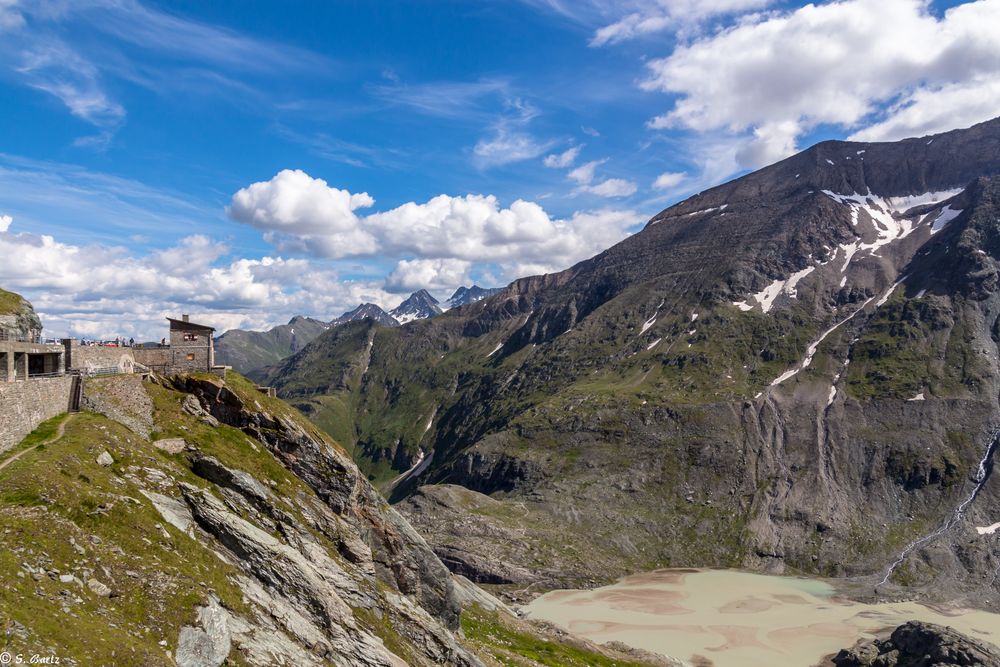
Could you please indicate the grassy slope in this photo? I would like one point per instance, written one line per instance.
(502, 640)
(9, 302)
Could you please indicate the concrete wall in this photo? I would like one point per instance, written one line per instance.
(89, 357)
(25, 405)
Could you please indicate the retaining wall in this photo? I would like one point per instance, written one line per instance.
(27, 403)
(90, 357)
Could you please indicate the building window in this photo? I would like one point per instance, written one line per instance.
(190, 336)
(190, 357)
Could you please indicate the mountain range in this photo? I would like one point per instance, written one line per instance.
(795, 371)
(247, 351)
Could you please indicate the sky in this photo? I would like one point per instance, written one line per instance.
(247, 162)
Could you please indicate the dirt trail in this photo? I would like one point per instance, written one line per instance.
(58, 434)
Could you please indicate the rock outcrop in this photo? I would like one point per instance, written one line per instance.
(397, 551)
(917, 644)
(17, 317)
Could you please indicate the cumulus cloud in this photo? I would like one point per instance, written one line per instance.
(564, 159)
(473, 228)
(669, 179)
(5, 222)
(928, 111)
(301, 214)
(105, 291)
(889, 65)
(410, 275)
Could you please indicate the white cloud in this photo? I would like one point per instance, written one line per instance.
(669, 179)
(472, 228)
(510, 141)
(584, 174)
(306, 212)
(49, 65)
(432, 274)
(929, 111)
(564, 159)
(611, 187)
(104, 291)
(10, 17)
(507, 146)
(5, 222)
(659, 15)
(837, 63)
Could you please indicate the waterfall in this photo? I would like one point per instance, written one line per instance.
(982, 474)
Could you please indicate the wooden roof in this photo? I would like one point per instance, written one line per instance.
(181, 325)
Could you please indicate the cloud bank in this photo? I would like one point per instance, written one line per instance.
(884, 68)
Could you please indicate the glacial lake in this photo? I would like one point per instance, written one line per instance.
(730, 618)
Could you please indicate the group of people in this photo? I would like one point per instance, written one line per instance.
(117, 342)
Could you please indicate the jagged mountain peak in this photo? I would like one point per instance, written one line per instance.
(369, 311)
(466, 295)
(418, 306)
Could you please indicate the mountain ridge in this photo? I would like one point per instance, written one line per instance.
(709, 417)
(248, 351)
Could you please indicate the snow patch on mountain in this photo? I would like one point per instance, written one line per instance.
(767, 296)
(947, 215)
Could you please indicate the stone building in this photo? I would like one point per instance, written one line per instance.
(191, 349)
(26, 357)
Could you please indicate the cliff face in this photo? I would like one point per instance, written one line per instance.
(17, 316)
(238, 534)
(796, 369)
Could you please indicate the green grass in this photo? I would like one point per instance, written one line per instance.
(53, 494)
(42, 432)
(510, 643)
(9, 302)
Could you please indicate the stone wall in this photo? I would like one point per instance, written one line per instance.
(158, 359)
(90, 357)
(122, 398)
(26, 404)
(170, 360)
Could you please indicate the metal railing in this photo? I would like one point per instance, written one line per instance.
(34, 339)
(20, 377)
(105, 370)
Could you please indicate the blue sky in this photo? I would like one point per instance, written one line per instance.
(251, 161)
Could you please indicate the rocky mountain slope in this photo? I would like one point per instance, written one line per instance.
(463, 296)
(418, 306)
(237, 533)
(794, 371)
(17, 317)
(367, 311)
(249, 350)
